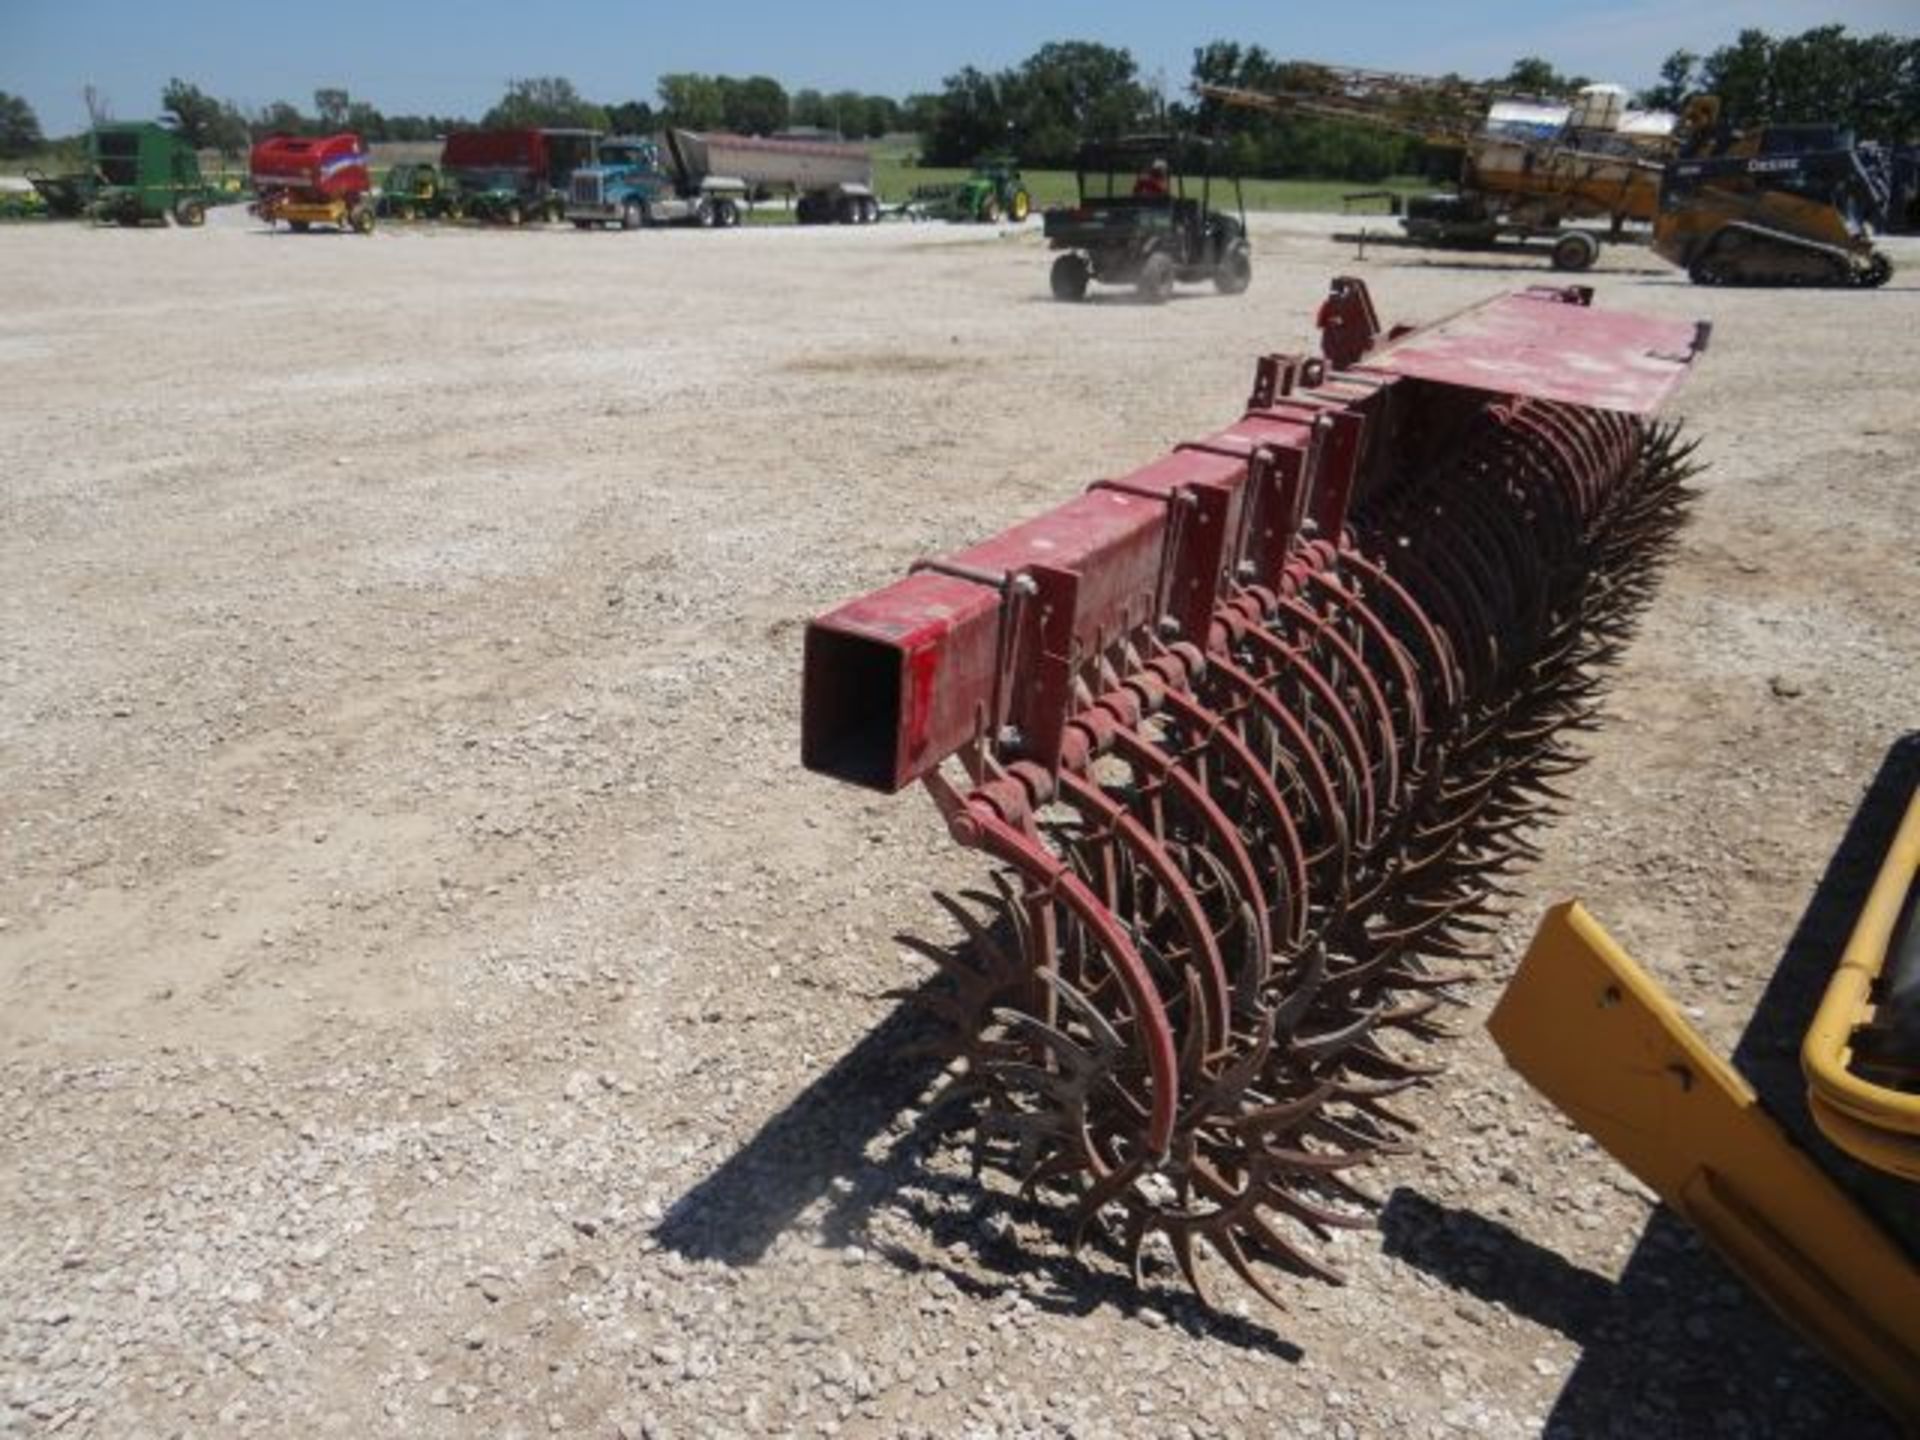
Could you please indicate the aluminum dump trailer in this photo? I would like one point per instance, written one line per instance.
(833, 182)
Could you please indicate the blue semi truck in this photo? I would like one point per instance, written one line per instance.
(709, 181)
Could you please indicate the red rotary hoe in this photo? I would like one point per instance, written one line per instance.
(1251, 736)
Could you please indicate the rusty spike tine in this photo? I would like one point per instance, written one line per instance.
(1305, 989)
(1285, 1253)
(1333, 1042)
(1182, 1241)
(1132, 1238)
(1228, 1249)
(1282, 1117)
(1103, 1192)
(1381, 1111)
(1322, 1220)
(1054, 1167)
(1068, 1052)
(1063, 1087)
(1352, 1089)
(1370, 1060)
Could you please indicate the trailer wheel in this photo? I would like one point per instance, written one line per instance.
(1575, 250)
(990, 209)
(190, 213)
(511, 215)
(360, 218)
(1069, 278)
(631, 216)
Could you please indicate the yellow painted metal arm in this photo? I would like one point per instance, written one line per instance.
(1598, 1037)
(1875, 1123)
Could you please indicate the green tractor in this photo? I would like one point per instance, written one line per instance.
(146, 173)
(992, 193)
(418, 192)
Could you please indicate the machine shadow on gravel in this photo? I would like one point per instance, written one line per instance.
(737, 1212)
(1678, 1341)
(824, 1135)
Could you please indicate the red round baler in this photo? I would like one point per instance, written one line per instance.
(313, 180)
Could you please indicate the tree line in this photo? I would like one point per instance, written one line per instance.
(1067, 91)
(1870, 83)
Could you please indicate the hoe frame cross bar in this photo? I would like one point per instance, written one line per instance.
(983, 648)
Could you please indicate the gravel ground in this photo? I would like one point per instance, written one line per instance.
(434, 1002)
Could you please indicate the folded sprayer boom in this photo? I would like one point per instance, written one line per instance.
(1250, 734)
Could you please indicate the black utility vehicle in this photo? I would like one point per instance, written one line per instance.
(1143, 221)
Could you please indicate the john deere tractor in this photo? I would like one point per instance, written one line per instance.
(993, 192)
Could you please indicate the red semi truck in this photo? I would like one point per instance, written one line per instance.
(308, 181)
(515, 175)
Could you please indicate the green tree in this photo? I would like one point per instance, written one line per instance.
(365, 121)
(196, 114)
(1677, 82)
(808, 108)
(1093, 90)
(882, 116)
(691, 100)
(973, 116)
(544, 100)
(754, 106)
(19, 127)
(1741, 74)
(846, 112)
(1530, 75)
(920, 113)
(280, 118)
(631, 117)
(330, 108)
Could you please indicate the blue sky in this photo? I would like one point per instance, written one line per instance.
(440, 56)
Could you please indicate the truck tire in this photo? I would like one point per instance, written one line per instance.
(1575, 250)
(1156, 279)
(803, 211)
(703, 214)
(849, 210)
(869, 210)
(511, 215)
(726, 214)
(360, 218)
(632, 217)
(190, 213)
(1069, 278)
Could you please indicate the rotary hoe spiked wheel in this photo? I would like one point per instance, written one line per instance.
(1250, 737)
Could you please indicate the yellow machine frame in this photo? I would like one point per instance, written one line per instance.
(1596, 1035)
(1870, 1122)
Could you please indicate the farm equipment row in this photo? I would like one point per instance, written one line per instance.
(1251, 736)
(1778, 205)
